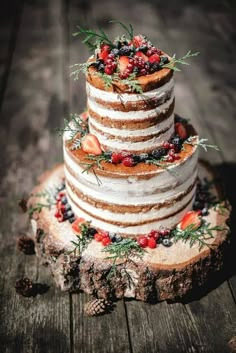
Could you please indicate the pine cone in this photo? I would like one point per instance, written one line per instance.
(24, 286)
(26, 245)
(23, 204)
(98, 307)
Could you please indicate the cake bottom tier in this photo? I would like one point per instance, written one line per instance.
(161, 274)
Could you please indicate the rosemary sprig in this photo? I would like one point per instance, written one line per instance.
(95, 161)
(80, 68)
(93, 39)
(129, 29)
(174, 61)
(202, 143)
(74, 126)
(83, 238)
(48, 195)
(192, 235)
(161, 165)
(122, 251)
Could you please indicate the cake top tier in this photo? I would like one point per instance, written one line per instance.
(128, 63)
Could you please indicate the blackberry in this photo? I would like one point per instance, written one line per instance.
(160, 152)
(67, 207)
(143, 157)
(136, 159)
(125, 50)
(101, 67)
(92, 231)
(198, 205)
(177, 142)
(154, 67)
(107, 155)
(72, 219)
(142, 48)
(164, 60)
(68, 214)
(205, 211)
(60, 188)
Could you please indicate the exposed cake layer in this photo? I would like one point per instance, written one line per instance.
(136, 122)
(131, 201)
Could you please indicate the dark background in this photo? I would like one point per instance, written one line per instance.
(36, 93)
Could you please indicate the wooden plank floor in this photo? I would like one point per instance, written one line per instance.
(35, 94)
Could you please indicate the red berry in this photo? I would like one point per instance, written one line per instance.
(106, 241)
(61, 193)
(105, 50)
(57, 214)
(164, 232)
(166, 145)
(109, 70)
(142, 241)
(138, 40)
(152, 243)
(172, 145)
(181, 130)
(128, 162)
(153, 234)
(103, 233)
(170, 159)
(154, 58)
(177, 156)
(98, 237)
(171, 152)
(108, 61)
(116, 157)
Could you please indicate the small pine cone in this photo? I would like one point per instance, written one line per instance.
(98, 307)
(24, 286)
(232, 344)
(26, 245)
(23, 204)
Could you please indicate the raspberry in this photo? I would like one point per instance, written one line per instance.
(128, 162)
(153, 234)
(142, 241)
(57, 214)
(106, 241)
(171, 152)
(98, 237)
(170, 159)
(116, 157)
(166, 145)
(152, 243)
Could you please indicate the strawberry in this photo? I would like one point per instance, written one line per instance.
(152, 243)
(123, 63)
(180, 130)
(84, 116)
(155, 58)
(76, 224)
(90, 144)
(142, 241)
(138, 40)
(105, 50)
(192, 219)
(141, 55)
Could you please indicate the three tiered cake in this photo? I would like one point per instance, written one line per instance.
(128, 214)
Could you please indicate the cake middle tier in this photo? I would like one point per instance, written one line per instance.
(131, 201)
(135, 122)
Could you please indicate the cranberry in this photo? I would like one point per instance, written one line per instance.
(106, 241)
(166, 145)
(142, 241)
(152, 243)
(153, 234)
(170, 159)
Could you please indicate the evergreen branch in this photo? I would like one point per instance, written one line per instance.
(174, 61)
(198, 236)
(74, 126)
(129, 29)
(83, 238)
(95, 161)
(202, 143)
(93, 39)
(80, 68)
(38, 206)
(122, 251)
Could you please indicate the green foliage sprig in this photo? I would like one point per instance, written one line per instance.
(95, 161)
(93, 39)
(129, 28)
(83, 238)
(201, 143)
(200, 235)
(174, 61)
(122, 251)
(49, 201)
(74, 126)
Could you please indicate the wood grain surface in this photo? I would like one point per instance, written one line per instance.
(35, 95)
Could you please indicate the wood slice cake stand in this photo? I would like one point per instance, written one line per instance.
(161, 274)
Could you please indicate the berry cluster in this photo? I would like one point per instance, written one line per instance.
(125, 57)
(204, 197)
(155, 237)
(63, 208)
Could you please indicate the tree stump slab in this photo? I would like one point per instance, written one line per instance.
(162, 273)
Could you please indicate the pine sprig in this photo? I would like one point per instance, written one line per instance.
(201, 142)
(49, 201)
(83, 238)
(75, 126)
(174, 61)
(198, 236)
(93, 39)
(95, 161)
(122, 251)
(80, 68)
(129, 29)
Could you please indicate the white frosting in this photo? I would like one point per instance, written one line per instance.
(157, 93)
(130, 115)
(131, 230)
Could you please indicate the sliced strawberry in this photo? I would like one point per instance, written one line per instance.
(138, 40)
(123, 63)
(181, 130)
(155, 58)
(76, 224)
(104, 52)
(84, 116)
(90, 144)
(141, 55)
(192, 219)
